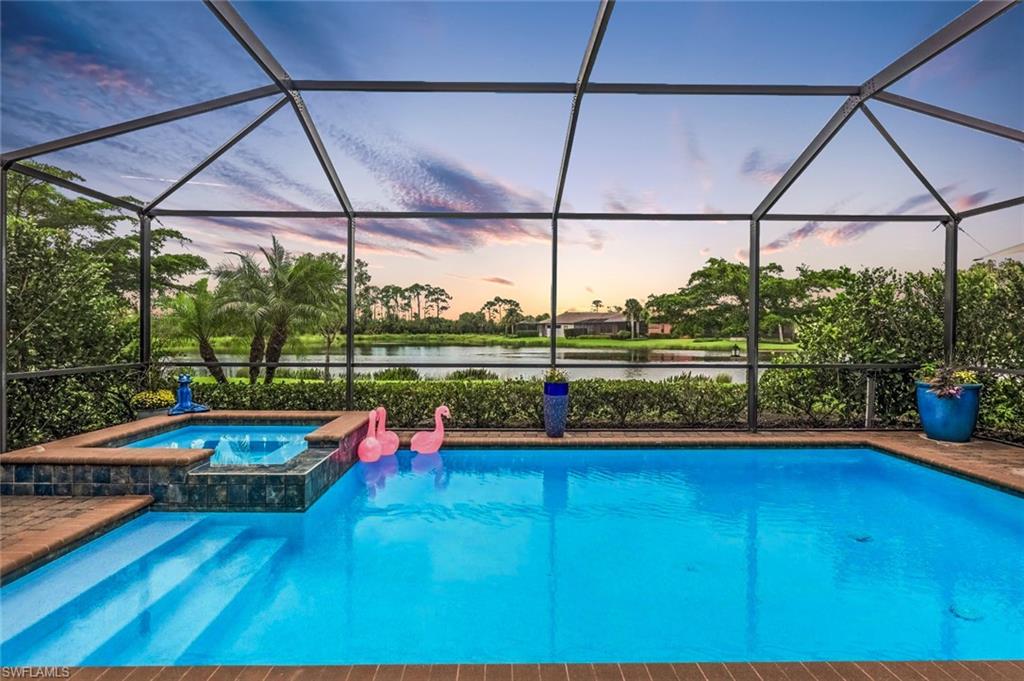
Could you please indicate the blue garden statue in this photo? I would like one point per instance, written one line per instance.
(185, 404)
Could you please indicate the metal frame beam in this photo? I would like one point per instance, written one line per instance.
(506, 87)
(906, 159)
(949, 294)
(604, 12)
(217, 153)
(350, 309)
(75, 187)
(951, 116)
(70, 371)
(721, 89)
(245, 36)
(971, 20)
(999, 205)
(3, 307)
(138, 124)
(753, 321)
(238, 27)
(514, 215)
(145, 291)
(796, 169)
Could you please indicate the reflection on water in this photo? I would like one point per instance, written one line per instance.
(650, 364)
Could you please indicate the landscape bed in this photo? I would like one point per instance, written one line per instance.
(533, 555)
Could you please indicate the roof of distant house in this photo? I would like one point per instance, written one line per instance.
(590, 317)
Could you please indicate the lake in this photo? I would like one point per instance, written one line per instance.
(645, 364)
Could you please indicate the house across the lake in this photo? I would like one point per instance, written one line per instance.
(570, 324)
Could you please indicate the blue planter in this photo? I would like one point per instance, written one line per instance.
(556, 408)
(950, 419)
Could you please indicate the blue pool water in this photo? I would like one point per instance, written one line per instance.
(236, 444)
(530, 556)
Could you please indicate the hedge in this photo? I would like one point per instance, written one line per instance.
(50, 408)
(594, 403)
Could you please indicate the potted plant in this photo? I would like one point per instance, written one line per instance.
(947, 399)
(556, 402)
(151, 403)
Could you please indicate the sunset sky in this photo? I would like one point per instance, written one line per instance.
(69, 67)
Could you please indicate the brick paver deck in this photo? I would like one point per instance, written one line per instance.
(792, 671)
(36, 528)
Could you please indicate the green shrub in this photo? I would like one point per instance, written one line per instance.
(153, 399)
(622, 335)
(472, 375)
(397, 374)
(1002, 407)
(594, 403)
(44, 409)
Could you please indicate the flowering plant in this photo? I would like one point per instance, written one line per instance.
(553, 375)
(946, 381)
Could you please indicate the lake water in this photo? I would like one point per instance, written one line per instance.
(646, 364)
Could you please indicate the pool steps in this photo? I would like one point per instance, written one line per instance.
(172, 627)
(80, 571)
(98, 614)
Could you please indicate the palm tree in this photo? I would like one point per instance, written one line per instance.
(196, 313)
(288, 290)
(296, 288)
(513, 315)
(597, 305)
(331, 322)
(635, 314)
(243, 290)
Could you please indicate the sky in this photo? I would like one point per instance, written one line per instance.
(73, 66)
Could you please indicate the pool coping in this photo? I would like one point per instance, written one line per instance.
(97, 464)
(966, 670)
(39, 545)
(990, 463)
(105, 446)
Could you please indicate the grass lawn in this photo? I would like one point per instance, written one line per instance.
(308, 343)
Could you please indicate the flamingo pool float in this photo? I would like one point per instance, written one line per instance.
(388, 438)
(370, 448)
(429, 441)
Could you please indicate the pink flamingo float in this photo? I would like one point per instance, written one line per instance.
(388, 438)
(370, 448)
(430, 441)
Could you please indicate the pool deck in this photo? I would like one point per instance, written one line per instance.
(788, 671)
(34, 530)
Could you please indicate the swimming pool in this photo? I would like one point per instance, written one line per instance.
(533, 556)
(236, 445)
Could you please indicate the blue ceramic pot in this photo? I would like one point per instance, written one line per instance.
(950, 419)
(556, 408)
